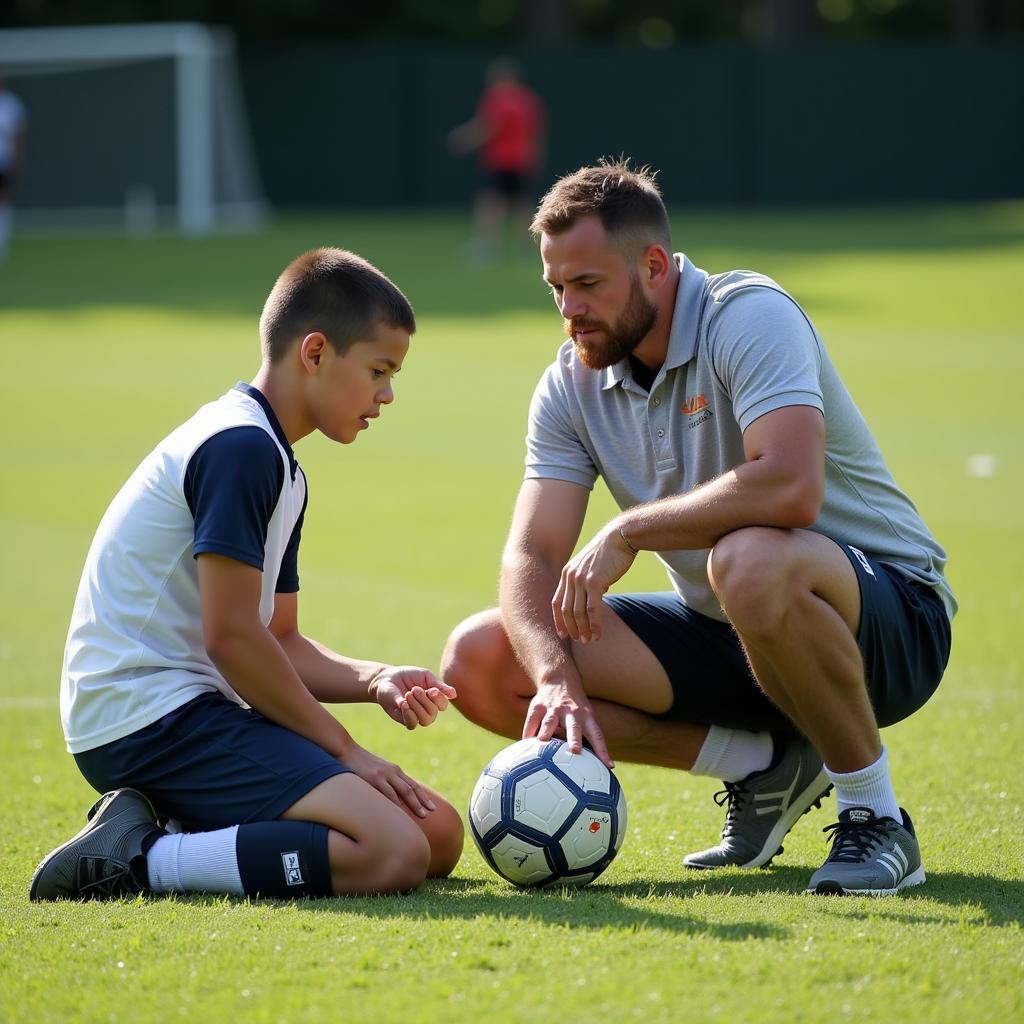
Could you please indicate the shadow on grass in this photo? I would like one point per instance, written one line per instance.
(979, 899)
(596, 907)
(973, 901)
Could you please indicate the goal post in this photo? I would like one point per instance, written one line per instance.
(133, 122)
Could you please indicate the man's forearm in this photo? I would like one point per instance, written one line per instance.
(527, 587)
(750, 495)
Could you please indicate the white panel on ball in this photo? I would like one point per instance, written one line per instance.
(485, 804)
(514, 755)
(542, 802)
(584, 769)
(575, 880)
(519, 861)
(588, 838)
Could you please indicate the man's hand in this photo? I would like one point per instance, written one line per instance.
(586, 577)
(556, 709)
(411, 696)
(389, 779)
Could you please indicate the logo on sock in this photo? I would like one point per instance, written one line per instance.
(292, 869)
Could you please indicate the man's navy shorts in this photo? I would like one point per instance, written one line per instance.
(904, 639)
(212, 763)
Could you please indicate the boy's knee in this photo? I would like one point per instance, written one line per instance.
(406, 867)
(402, 870)
(446, 836)
(395, 861)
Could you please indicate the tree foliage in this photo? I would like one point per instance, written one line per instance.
(651, 23)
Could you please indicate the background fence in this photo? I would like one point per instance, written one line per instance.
(727, 124)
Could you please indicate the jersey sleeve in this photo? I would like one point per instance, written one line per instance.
(765, 354)
(288, 577)
(554, 449)
(232, 485)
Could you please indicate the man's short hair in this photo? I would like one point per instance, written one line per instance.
(335, 292)
(627, 201)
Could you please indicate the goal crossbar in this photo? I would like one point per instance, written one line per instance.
(192, 47)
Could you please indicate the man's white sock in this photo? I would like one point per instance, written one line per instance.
(868, 787)
(195, 862)
(733, 754)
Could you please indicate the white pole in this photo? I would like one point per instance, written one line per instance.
(194, 128)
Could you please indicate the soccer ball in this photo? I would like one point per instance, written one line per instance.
(542, 816)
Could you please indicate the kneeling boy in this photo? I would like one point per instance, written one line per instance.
(188, 692)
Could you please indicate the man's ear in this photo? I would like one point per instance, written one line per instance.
(655, 265)
(311, 351)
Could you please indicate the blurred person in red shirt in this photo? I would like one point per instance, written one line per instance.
(507, 131)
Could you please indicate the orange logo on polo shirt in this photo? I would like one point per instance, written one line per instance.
(697, 411)
(694, 405)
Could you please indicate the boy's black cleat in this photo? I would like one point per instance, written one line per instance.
(107, 859)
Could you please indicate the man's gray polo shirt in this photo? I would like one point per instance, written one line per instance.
(739, 347)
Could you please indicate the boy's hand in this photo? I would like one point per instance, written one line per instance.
(411, 696)
(389, 779)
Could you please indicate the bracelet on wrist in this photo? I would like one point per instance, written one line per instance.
(625, 540)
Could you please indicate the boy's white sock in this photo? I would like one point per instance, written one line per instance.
(195, 862)
(733, 754)
(868, 787)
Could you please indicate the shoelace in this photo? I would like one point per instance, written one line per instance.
(853, 841)
(115, 879)
(734, 794)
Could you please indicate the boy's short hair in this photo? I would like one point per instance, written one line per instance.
(627, 201)
(335, 292)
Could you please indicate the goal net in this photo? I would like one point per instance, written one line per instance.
(132, 124)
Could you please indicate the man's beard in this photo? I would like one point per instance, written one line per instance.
(637, 320)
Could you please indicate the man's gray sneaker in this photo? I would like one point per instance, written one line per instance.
(870, 856)
(107, 858)
(765, 805)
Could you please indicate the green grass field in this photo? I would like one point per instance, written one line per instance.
(107, 344)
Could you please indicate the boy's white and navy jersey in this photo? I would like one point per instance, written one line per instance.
(226, 482)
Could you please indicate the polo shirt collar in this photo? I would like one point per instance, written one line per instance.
(275, 424)
(682, 335)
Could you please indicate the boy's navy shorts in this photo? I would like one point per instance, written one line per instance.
(212, 763)
(904, 639)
